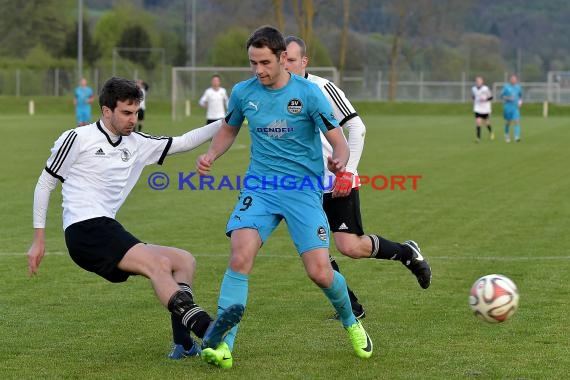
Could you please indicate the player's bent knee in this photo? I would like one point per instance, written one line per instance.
(187, 259)
(322, 277)
(322, 280)
(242, 261)
(240, 264)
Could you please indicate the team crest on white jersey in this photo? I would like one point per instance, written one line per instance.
(125, 154)
(294, 106)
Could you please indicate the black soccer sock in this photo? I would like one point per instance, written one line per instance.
(179, 331)
(193, 317)
(478, 132)
(388, 250)
(489, 128)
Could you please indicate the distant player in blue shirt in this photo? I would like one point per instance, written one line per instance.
(512, 97)
(286, 115)
(83, 97)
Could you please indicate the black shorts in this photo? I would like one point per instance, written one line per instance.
(210, 121)
(343, 213)
(97, 245)
(481, 115)
(141, 114)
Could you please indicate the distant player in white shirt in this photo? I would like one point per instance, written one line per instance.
(98, 165)
(343, 213)
(215, 100)
(482, 97)
(142, 106)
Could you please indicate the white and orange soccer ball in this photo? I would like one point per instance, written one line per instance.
(494, 298)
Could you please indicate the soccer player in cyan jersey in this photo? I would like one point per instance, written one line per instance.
(343, 213)
(286, 115)
(98, 165)
(83, 97)
(512, 97)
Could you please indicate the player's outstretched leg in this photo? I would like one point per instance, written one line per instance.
(220, 327)
(361, 342)
(214, 350)
(418, 265)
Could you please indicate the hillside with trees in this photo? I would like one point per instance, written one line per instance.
(441, 38)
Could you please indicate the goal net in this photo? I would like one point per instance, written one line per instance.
(188, 84)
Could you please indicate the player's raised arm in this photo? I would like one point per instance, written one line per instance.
(221, 142)
(194, 138)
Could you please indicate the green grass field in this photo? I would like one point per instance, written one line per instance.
(478, 209)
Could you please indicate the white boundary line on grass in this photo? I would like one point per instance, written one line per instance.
(294, 255)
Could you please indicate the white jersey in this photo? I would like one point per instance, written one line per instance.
(97, 173)
(142, 104)
(482, 97)
(345, 113)
(216, 103)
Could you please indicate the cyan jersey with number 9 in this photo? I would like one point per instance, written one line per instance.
(284, 126)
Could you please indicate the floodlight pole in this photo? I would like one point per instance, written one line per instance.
(80, 38)
(191, 39)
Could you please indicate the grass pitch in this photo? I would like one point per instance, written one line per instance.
(478, 209)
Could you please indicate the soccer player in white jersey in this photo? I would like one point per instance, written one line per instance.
(215, 100)
(343, 213)
(98, 165)
(482, 96)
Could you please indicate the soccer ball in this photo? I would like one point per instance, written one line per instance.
(494, 298)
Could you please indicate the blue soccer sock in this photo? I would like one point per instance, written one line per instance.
(338, 295)
(517, 131)
(233, 291)
(507, 129)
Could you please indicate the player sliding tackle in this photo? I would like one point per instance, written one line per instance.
(98, 166)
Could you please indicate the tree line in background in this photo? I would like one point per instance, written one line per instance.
(441, 37)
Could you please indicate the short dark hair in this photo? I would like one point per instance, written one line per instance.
(267, 36)
(298, 41)
(119, 89)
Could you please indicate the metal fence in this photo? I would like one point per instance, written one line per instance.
(370, 85)
(62, 82)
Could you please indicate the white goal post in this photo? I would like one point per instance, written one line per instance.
(188, 83)
(559, 87)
